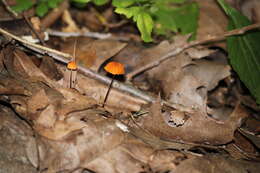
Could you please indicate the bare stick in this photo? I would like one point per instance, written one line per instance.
(178, 50)
(9, 9)
(78, 34)
(44, 49)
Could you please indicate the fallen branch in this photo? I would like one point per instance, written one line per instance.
(178, 50)
(65, 58)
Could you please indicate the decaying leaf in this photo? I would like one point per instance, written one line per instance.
(216, 164)
(199, 127)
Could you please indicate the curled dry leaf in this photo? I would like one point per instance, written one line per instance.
(30, 69)
(198, 128)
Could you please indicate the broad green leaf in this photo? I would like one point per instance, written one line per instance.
(145, 25)
(164, 21)
(244, 51)
(22, 5)
(122, 3)
(183, 19)
(100, 2)
(42, 9)
(128, 12)
(186, 18)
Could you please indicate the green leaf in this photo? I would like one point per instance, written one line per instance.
(183, 19)
(171, 1)
(164, 21)
(100, 2)
(81, 1)
(145, 25)
(122, 3)
(244, 51)
(53, 3)
(186, 18)
(22, 5)
(128, 12)
(42, 9)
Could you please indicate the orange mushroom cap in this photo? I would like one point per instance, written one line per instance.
(72, 65)
(115, 68)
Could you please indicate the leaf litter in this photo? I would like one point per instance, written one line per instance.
(66, 129)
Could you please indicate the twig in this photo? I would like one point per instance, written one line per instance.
(33, 30)
(60, 56)
(9, 9)
(178, 50)
(77, 34)
(44, 50)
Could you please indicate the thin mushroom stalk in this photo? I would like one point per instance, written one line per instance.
(108, 90)
(114, 68)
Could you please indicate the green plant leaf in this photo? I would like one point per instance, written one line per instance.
(164, 21)
(53, 3)
(81, 1)
(170, 1)
(22, 5)
(183, 19)
(145, 25)
(42, 9)
(186, 18)
(244, 51)
(100, 2)
(122, 3)
(128, 12)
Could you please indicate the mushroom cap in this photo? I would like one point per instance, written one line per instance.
(115, 68)
(72, 65)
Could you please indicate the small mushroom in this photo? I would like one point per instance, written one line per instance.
(70, 75)
(72, 65)
(114, 68)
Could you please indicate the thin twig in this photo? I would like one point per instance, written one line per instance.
(32, 29)
(178, 50)
(77, 34)
(44, 50)
(9, 9)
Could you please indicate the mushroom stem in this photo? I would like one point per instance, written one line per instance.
(108, 91)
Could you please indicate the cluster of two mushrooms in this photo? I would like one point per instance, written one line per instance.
(114, 68)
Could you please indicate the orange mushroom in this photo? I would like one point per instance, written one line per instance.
(114, 68)
(72, 65)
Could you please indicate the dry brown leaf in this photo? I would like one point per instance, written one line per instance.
(93, 53)
(117, 160)
(117, 101)
(197, 128)
(212, 20)
(30, 69)
(216, 164)
(49, 68)
(209, 72)
(17, 144)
